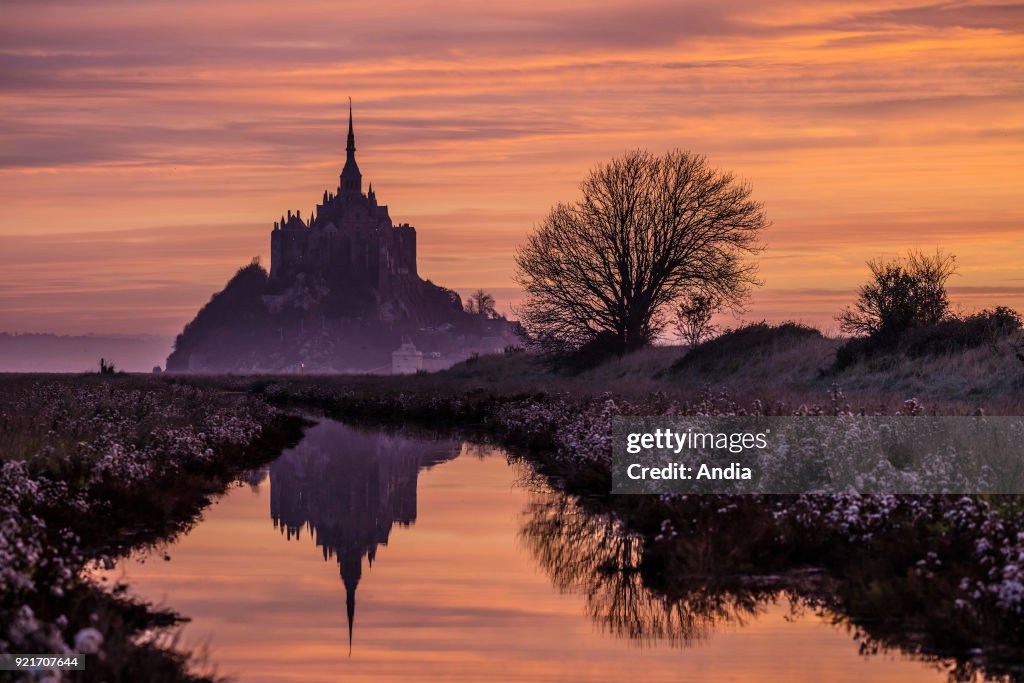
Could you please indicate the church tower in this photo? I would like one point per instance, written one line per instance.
(349, 238)
(351, 178)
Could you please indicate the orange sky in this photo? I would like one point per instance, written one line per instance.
(147, 148)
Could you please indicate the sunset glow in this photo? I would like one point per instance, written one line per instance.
(147, 148)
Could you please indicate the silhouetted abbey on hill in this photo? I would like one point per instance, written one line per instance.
(342, 292)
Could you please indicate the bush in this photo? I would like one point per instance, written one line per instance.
(902, 294)
(693, 316)
(951, 335)
(857, 349)
(734, 348)
(957, 334)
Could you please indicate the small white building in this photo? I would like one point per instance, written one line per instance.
(406, 360)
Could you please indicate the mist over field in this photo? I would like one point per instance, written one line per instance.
(81, 353)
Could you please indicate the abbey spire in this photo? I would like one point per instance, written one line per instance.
(351, 178)
(348, 238)
(351, 147)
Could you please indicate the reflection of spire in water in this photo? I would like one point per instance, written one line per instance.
(351, 580)
(349, 487)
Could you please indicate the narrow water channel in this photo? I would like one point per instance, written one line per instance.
(362, 556)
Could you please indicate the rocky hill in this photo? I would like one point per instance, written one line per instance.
(312, 325)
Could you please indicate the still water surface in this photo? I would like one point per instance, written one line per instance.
(362, 556)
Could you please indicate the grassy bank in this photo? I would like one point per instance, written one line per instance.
(781, 363)
(92, 467)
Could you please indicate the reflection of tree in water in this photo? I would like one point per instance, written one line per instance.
(590, 554)
(347, 488)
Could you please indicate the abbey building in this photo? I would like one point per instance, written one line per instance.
(349, 239)
(342, 295)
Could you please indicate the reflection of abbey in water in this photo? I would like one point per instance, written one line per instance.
(348, 488)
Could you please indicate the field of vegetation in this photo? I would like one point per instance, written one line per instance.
(91, 467)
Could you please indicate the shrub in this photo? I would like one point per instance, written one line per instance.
(957, 334)
(693, 317)
(854, 350)
(903, 293)
(951, 335)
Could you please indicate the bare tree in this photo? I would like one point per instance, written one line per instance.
(693, 315)
(602, 270)
(481, 303)
(903, 293)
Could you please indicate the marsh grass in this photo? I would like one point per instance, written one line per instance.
(93, 466)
